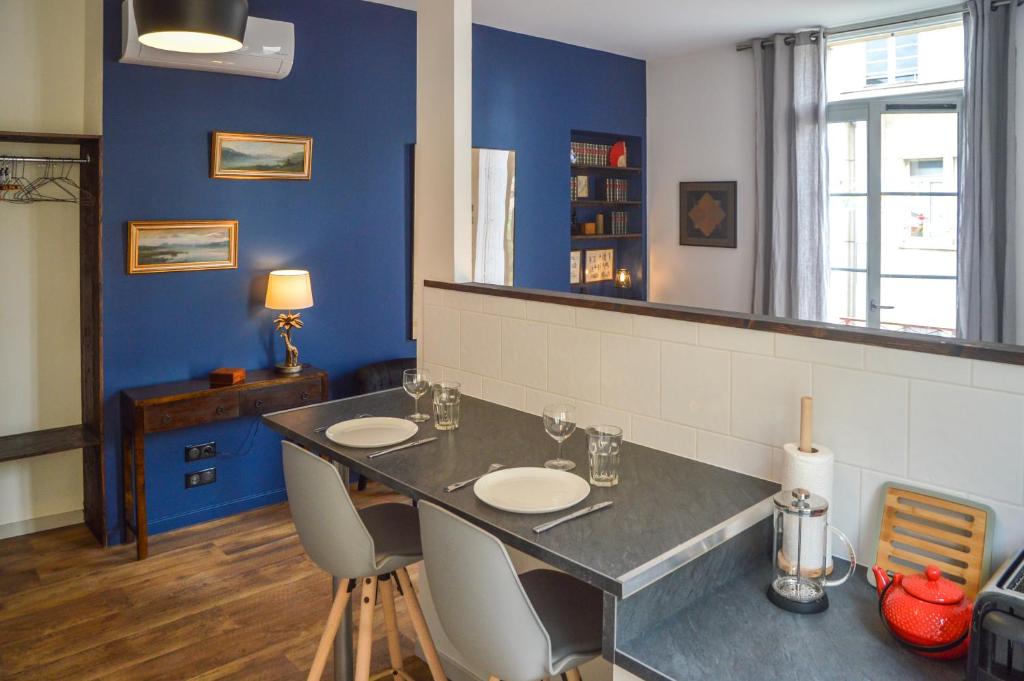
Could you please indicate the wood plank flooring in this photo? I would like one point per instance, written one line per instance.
(235, 598)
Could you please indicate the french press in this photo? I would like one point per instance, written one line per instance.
(799, 550)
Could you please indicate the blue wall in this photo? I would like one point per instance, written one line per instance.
(528, 94)
(353, 89)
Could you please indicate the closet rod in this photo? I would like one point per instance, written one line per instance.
(43, 159)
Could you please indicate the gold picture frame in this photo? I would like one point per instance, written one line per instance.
(182, 246)
(251, 156)
(599, 265)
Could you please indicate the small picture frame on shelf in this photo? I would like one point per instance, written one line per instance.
(575, 258)
(600, 265)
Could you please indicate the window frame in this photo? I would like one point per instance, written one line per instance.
(870, 109)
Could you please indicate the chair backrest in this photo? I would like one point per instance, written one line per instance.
(383, 375)
(479, 599)
(329, 526)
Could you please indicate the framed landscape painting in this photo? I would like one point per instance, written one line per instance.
(707, 214)
(182, 245)
(248, 156)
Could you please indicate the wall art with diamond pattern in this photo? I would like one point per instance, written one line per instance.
(707, 214)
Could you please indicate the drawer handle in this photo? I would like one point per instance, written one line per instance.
(259, 403)
(166, 418)
(220, 410)
(304, 396)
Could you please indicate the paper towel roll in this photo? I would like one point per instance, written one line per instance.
(815, 472)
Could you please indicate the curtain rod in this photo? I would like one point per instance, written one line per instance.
(42, 159)
(883, 23)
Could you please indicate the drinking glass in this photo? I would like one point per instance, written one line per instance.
(603, 445)
(560, 422)
(447, 405)
(417, 383)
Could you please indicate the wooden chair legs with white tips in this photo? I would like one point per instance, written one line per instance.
(377, 543)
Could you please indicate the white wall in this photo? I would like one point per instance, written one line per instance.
(52, 83)
(730, 397)
(700, 127)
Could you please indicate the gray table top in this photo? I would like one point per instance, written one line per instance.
(667, 508)
(736, 633)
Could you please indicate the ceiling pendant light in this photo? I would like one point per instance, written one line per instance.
(200, 26)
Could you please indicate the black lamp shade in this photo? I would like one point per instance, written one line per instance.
(210, 26)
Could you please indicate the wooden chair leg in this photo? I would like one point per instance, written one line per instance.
(387, 600)
(327, 639)
(364, 647)
(419, 624)
(574, 674)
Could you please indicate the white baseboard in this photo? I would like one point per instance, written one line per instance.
(46, 522)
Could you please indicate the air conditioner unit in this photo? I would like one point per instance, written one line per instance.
(268, 52)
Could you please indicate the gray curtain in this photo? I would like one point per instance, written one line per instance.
(791, 268)
(986, 271)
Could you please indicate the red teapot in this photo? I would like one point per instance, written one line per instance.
(927, 613)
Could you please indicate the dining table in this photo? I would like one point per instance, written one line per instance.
(668, 510)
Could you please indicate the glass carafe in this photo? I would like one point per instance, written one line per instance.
(799, 552)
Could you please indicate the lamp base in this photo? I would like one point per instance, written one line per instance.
(287, 369)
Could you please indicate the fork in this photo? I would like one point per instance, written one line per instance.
(459, 485)
(323, 429)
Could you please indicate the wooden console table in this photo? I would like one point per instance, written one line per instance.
(170, 406)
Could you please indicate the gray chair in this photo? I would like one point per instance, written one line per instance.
(372, 546)
(517, 627)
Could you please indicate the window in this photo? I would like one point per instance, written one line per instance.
(893, 182)
(924, 59)
(891, 60)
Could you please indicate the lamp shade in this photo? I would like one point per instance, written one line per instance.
(198, 26)
(289, 290)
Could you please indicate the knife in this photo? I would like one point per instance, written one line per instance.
(407, 445)
(544, 527)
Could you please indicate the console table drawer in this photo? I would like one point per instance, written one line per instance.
(266, 400)
(191, 412)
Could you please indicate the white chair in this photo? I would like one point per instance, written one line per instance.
(517, 627)
(371, 546)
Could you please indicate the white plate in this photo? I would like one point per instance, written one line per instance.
(375, 431)
(531, 490)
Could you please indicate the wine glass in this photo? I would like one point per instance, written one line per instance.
(560, 422)
(417, 383)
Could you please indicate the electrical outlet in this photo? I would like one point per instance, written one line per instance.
(198, 452)
(204, 477)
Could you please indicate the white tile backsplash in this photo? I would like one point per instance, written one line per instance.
(735, 454)
(968, 439)
(508, 394)
(524, 352)
(574, 362)
(819, 351)
(630, 373)
(672, 330)
(552, 314)
(480, 342)
(695, 386)
(440, 335)
(668, 437)
(862, 417)
(730, 397)
(603, 320)
(918, 365)
(766, 396)
(504, 307)
(732, 338)
(994, 376)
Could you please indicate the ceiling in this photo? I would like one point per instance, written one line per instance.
(649, 29)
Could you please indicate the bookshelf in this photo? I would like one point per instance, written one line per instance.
(629, 242)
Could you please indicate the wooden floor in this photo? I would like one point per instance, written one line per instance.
(231, 599)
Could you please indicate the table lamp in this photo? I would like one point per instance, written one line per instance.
(289, 290)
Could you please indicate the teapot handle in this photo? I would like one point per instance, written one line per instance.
(851, 552)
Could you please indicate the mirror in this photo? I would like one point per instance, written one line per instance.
(494, 216)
